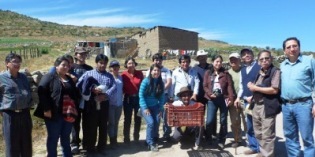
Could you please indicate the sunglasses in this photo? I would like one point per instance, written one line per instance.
(265, 58)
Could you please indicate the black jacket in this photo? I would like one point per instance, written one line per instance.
(50, 95)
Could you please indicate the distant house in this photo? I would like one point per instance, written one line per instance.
(161, 38)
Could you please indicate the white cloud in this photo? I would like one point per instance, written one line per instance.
(111, 21)
(212, 35)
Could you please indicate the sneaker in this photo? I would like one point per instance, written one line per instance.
(154, 148)
(75, 150)
(221, 146)
(196, 147)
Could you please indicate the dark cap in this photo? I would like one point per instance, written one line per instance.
(114, 63)
(80, 50)
(246, 50)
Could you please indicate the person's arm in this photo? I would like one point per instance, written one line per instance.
(172, 88)
(196, 86)
(144, 84)
(230, 89)
(206, 83)
(273, 89)
(313, 78)
(168, 83)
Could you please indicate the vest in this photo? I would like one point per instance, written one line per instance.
(250, 77)
(271, 101)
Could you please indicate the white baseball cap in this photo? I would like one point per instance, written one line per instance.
(235, 55)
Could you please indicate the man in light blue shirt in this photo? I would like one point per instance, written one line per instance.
(297, 83)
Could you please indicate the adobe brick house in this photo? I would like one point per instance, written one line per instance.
(162, 38)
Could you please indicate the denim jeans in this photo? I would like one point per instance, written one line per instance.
(113, 120)
(167, 130)
(298, 118)
(56, 129)
(252, 141)
(131, 103)
(153, 121)
(212, 108)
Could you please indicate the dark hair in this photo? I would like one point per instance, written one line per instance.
(128, 59)
(263, 51)
(11, 56)
(216, 57)
(157, 56)
(290, 38)
(60, 59)
(184, 57)
(158, 89)
(101, 57)
(69, 57)
(243, 51)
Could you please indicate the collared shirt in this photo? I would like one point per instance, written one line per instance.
(103, 78)
(131, 84)
(297, 79)
(248, 69)
(165, 74)
(180, 79)
(15, 93)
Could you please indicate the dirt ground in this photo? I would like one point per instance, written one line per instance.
(136, 149)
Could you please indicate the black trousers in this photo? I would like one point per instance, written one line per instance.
(17, 133)
(94, 121)
(131, 105)
(75, 132)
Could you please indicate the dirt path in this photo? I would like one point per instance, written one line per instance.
(138, 149)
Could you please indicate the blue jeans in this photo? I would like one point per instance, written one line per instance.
(298, 118)
(56, 129)
(153, 121)
(212, 108)
(167, 130)
(113, 120)
(252, 141)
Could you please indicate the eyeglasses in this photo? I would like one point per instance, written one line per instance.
(265, 58)
(15, 63)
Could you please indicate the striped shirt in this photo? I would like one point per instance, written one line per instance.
(103, 78)
(15, 93)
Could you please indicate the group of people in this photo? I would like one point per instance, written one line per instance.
(73, 91)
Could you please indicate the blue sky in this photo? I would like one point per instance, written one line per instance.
(239, 22)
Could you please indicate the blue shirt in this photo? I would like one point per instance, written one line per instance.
(297, 79)
(149, 100)
(117, 99)
(15, 93)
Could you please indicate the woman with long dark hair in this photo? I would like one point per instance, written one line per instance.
(54, 89)
(152, 99)
(218, 88)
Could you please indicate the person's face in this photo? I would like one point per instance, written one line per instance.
(247, 57)
(185, 97)
(14, 65)
(101, 65)
(202, 59)
(235, 62)
(131, 65)
(184, 64)
(217, 63)
(158, 62)
(81, 56)
(292, 49)
(265, 60)
(63, 68)
(70, 62)
(115, 69)
(156, 72)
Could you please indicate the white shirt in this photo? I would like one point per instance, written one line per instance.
(182, 79)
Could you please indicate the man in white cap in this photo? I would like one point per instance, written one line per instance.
(234, 71)
(201, 68)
